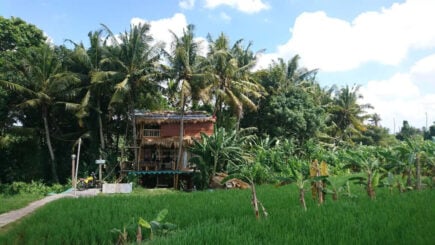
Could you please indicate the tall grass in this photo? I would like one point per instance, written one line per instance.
(226, 217)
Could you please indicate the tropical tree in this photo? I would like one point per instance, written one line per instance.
(290, 109)
(98, 83)
(407, 131)
(135, 62)
(186, 73)
(375, 119)
(44, 86)
(347, 116)
(232, 82)
(17, 34)
(15, 37)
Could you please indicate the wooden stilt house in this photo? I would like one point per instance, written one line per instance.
(159, 142)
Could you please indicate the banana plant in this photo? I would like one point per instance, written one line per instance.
(335, 186)
(302, 180)
(156, 226)
(413, 155)
(395, 181)
(247, 171)
(368, 165)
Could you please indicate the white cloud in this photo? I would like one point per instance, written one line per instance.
(403, 97)
(203, 45)
(225, 17)
(423, 72)
(187, 4)
(384, 37)
(246, 6)
(264, 60)
(48, 40)
(160, 29)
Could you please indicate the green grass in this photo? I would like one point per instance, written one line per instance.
(226, 217)
(12, 202)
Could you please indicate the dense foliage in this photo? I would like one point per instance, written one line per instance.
(50, 96)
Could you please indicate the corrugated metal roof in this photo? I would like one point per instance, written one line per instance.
(160, 117)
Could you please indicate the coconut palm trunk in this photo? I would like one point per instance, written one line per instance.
(133, 122)
(100, 126)
(181, 137)
(50, 147)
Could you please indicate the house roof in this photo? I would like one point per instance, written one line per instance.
(162, 117)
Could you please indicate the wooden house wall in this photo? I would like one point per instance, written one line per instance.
(190, 129)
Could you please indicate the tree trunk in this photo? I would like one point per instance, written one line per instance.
(133, 122)
(302, 198)
(50, 147)
(181, 136)
(100, 125)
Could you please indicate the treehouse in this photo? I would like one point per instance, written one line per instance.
(158, 140)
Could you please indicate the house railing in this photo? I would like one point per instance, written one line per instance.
(151, 132)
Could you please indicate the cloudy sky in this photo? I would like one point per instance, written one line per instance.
(386, 46)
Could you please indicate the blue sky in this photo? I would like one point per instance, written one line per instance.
(386, 46)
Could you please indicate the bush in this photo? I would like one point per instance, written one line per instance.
(34, 187)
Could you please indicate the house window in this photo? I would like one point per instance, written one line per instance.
(151, 131)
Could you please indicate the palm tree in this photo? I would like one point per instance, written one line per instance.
(375, 119)
(185, 71)
(346, 115)
(98, 82)
(229, 72)
(45, 84)
(136, 64)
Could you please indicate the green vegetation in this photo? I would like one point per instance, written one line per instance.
(273, 126)
(223, 217)
(19, 194)
(53, 95)
(13, 202)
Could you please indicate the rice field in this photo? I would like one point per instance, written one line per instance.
(226, 217)
(12, 202)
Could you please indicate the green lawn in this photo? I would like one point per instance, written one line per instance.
(12, 202)
(226, 217)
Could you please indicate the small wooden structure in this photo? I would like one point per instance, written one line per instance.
(158, 135)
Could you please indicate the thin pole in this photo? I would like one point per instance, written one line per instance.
(77, 163)
(73, 160)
